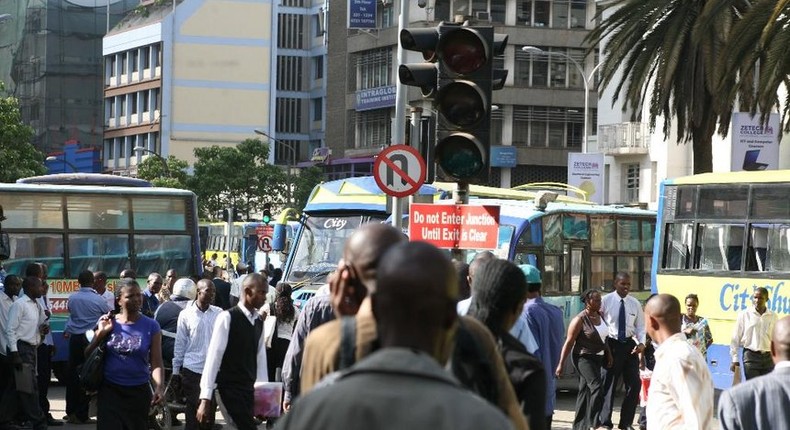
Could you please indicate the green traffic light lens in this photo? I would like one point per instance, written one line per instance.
(460, 156)
(461, 103)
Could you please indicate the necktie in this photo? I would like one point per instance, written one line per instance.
(621, 322)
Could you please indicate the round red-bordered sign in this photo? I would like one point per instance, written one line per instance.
(399, 170)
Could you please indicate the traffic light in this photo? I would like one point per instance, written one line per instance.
(237, 215)
(466, 79)
(421, 75)
(267, 213)
(222, 214)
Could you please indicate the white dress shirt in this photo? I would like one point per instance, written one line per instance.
(24, 319)
(681, 388)
(193, 336)
(216, 350)
(634, 318)
(752, 331)
(46, 305)
(463, 306)
(5, 306)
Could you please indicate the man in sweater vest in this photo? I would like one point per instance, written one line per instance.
(237, 356)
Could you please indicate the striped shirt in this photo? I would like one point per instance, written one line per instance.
(192, 337)
(681, 388)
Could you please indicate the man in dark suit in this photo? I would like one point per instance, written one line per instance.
(222, 299)
(762, 402)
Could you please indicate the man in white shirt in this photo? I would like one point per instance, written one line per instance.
(626, 320)
(100, 285)
(25, 330)
(681, 387)
(195, 325)
(11, 289)
(236, 357)
(235, 286)
(753, 331)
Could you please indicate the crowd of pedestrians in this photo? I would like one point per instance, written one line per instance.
(399, 337)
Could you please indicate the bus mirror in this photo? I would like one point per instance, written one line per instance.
(280, 236)
(5, 246)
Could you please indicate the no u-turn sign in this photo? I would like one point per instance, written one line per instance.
(399, 170)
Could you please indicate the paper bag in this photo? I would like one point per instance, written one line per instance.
(268, 399)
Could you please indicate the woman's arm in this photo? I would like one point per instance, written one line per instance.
(573, 330)
(708, 334)
(104, 328)
(157, 368)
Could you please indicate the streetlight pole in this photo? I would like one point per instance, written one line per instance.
(585, 78)
(65, 163)
(155, 154)
(290, 160)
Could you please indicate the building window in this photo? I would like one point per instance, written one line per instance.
(133, 101)
(133, 59)
(318, 64)
(631, 185)
(145, 57)
(552, 13)
(318, 109)
(111, 63)
(289, 115)
(550, 69)
(124, 64)
(552, 127)
(289, 73)
(374, 68)
(373, 128)
(291, 31)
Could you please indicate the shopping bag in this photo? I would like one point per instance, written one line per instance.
(268, 399)
(644, 376)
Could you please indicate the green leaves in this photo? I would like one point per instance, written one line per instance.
(18, 157)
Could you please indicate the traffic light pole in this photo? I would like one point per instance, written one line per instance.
(461, 197)
(229, 234)
(399, 129)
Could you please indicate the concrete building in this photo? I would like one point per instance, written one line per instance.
(209, 72)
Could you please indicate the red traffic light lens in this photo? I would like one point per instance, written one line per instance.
(462, 103)
(461, 156)
(463, 51)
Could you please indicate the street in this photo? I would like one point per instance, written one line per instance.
(563, 415)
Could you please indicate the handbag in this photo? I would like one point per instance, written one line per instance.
(91, 373)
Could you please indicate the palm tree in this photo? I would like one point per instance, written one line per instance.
(762, 47)
(668, 56)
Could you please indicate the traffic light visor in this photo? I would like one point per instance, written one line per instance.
(421, 75)
(422, 40)
(463, 51)
(462, 103)
(461, 155)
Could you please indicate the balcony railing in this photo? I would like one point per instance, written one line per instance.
(624, 138)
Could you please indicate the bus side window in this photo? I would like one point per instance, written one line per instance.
(677, 248)
(757, 251)
(778, 257)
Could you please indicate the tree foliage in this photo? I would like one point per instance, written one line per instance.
(238, 177)
(18, 157)
(152, 169)
(303, 185)
(665, 53)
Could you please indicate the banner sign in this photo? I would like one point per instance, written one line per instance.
(755, 146)
(375, 98)
(361, 14)
(586, 172)
(504, 156)
(455, 226)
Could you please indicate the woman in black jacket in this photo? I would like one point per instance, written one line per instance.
(500, 291)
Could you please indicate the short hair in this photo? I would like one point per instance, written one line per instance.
(691, 296)
(98, 276)
(216, 271)
(125, 283)
(763, 291)
(34, 269)
(85, 278)
(128, 273)
(14, 280)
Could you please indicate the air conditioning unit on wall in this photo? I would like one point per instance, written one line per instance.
(482, 16)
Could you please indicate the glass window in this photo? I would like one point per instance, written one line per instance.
(647, 264)
(32, 210)
(560, 14)
(551, 233)
(92, 212)
(524, 12)
(602, 231)
(721, 202)
(526, 237)
(719, 247)
(602, 271)
(575, 227)
(540, 70)
(629, 265)
(757, 252)
(498, 9)
(778, 258)
(628, 235)
(578, 13)
(158, 253)
(686, 202)
(648, 235)
(159, 213)
(677, 248)
(31, 248)
(551, 274)
(109, 253)
(770, 202)
(542, 13)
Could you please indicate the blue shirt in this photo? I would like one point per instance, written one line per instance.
(86, 306)
(522, 332)
(150, 303)
(547, 326)
(128, 354)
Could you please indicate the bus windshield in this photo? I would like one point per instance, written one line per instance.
(320, 245)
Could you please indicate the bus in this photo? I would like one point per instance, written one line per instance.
(720, 236)
(77, 222)
(245, 244)
(575, 244)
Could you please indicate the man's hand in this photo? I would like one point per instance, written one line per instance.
(638, 349)
(16, 360)
(203, 411)
(286, 405)
(735, 366)
(347, 290)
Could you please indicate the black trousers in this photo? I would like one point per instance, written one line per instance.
(590, 397)
(44, 375)
(8, 398)
(626, 365)
(190, 382)
(756, 363)
(28, 402)
(76, 400)
(239, 403)
(123, 407)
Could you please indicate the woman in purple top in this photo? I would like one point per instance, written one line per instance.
(133, 355)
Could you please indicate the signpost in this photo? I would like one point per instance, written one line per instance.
(399, 170)
(455, 226)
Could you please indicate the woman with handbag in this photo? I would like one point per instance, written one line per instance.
(286, 313)
(133, 345)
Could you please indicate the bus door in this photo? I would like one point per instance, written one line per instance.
(574, 264)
